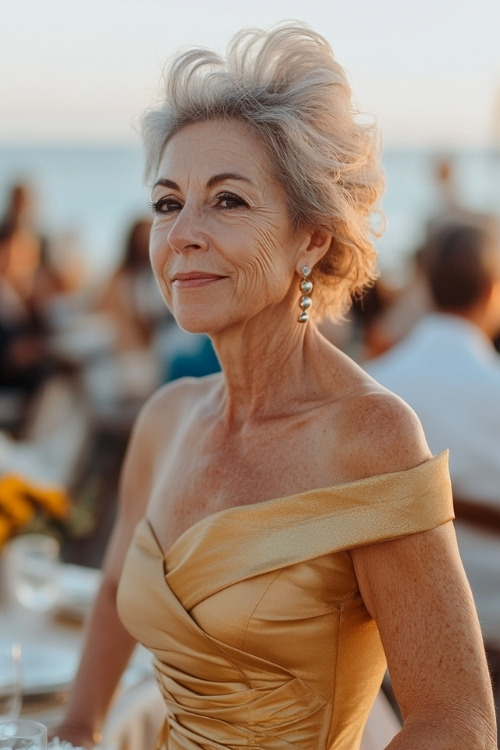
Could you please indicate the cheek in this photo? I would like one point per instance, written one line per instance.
(158, 257)
(267, 265)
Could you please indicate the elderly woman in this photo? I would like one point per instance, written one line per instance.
(284, 531)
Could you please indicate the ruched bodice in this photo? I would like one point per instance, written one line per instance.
(260, 636)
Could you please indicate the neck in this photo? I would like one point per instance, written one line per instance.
(269, 370)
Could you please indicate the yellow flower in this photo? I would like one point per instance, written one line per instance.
(13, 501)
(20, 501)
(5, 529)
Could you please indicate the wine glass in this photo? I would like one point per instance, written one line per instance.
(11, 693)
(23, 734)
(35, 570)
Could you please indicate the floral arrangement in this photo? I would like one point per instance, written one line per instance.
(25, 506)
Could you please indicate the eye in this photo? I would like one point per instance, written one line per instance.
(230, 200)
(165, 205)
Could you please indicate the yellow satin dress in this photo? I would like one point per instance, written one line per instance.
(259, 634)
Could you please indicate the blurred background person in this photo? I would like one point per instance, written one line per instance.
(126, 298)
(31, 284)
(449, 206)
(448, 370)
(388, 311)
(384, 315)
(41, 272)
(22, 346)
(130, 305)
(25, 239)
(371, 330)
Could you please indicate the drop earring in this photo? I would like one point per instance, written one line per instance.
(306, 287)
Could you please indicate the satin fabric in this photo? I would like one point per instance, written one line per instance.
(259, 633)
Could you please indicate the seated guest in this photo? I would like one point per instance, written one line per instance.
(130, 297)
(22, 347)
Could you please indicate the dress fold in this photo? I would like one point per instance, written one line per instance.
(259, 633)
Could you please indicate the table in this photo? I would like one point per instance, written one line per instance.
(26, 627)
(137, 712)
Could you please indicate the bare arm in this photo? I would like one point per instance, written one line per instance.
(417, 592)
(106, 652)
(108, 645)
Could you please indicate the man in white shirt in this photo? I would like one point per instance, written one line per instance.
(449, 372)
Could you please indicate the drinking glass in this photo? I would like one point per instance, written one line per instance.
(10, 682)
(23, 734)
(35, 571)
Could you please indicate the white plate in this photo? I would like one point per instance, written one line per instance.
(47, 669)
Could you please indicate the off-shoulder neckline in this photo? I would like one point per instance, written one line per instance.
(237, 509)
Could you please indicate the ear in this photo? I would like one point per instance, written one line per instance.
(316, 244)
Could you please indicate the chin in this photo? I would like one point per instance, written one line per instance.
(197, 322)
(209, 325)
(190, 328)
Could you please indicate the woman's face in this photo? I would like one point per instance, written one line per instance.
(222, 246)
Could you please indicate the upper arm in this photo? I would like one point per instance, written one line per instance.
(416, 590)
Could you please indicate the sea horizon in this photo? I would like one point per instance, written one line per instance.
(94, 191)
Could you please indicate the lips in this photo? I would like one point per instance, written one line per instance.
(191, 279)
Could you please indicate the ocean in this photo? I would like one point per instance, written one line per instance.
(93, 194)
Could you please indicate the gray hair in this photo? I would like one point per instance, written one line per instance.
(287, 87)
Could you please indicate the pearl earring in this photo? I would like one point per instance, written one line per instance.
(306, 287)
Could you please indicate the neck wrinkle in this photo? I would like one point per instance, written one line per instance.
(263, 379)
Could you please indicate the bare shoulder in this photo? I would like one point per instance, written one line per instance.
(157, 426)
(161, 415)
(382, 432)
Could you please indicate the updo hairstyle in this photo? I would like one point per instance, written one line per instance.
(286, 85)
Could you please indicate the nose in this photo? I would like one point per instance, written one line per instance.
(187, 231)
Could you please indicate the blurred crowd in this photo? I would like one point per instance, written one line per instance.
(78, 359)
(51, 320)
(77, 362)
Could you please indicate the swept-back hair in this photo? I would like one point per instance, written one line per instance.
(286, 85)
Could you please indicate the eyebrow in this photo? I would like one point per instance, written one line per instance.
(166, 183)
(214, 180)
(227, 176)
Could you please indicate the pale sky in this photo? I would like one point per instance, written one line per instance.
(80, 71)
